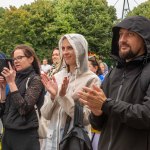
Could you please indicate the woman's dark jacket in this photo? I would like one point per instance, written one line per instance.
(18, 112)
(125, 122)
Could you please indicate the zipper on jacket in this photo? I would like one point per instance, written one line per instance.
(120, 87)
(58, 128)
(117, 98)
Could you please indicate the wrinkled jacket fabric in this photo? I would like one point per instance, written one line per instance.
(125, 122)
(18, 112)
(56, 111)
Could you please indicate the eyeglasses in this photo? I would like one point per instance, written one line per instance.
(19, 58)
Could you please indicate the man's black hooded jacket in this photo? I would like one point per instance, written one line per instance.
(125, 122)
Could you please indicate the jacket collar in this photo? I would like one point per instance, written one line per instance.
(143, 59)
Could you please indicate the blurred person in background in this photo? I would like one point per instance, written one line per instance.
(55, 67)
(104, 68)
(94, 67)
(56, 62)
(45, 67)
(3, 94)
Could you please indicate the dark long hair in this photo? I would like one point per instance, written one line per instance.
(94, 63)
(28, 52)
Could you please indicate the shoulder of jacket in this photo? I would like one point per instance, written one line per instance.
(90, 77)
(32, 78)
(89, 73)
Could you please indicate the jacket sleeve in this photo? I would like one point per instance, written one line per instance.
(26, 104)
(48, 107)
(67, 102)
(133, 115)
(97, 122)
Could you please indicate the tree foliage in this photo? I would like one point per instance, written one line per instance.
(41, 24)
(26, 25)
(142, 10)
(93, 19)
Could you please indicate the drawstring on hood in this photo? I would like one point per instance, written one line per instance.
(137, 24)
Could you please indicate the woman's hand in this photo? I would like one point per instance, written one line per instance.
(2, 89)
(50, 85)
(9, 74)
(64, 87)
(2, 81)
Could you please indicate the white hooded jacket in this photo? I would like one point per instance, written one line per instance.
(56, 111)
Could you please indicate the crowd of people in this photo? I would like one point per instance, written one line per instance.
(116, 107)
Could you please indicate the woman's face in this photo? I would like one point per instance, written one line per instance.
(56, 56)
(91, 67)
(102, 66)
(21, 62)
(68, 53)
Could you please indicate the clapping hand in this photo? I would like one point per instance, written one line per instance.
(50, 85)
(94, 98)
(64, 87)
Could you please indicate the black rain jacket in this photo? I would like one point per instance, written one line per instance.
(125, 122)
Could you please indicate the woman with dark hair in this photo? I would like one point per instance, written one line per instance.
(17, 112)
(56, 62)
(56, 67)
(94, 67)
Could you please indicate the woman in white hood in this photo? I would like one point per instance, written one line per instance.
(64, 86)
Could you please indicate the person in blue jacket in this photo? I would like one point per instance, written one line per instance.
(94, 67)
(2, 56)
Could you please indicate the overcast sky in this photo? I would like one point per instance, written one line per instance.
(117, 3)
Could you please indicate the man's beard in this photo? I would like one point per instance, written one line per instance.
(127, 55)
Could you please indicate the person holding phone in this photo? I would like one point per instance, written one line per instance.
(17, 112)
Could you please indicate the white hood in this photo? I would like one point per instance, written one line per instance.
(80, 45)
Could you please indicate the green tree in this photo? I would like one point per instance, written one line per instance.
(142, 9)
(41, 24)
(2, 10)
(27, 25)
(13, 28)
(41, 35)
(92, 18)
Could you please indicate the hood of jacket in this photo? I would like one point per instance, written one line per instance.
(137, 24)
(80, 46)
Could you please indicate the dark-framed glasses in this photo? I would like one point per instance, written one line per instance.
(18, 58)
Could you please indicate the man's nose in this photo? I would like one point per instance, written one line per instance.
(122, 38)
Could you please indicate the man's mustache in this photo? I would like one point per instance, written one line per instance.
(124, 44)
